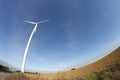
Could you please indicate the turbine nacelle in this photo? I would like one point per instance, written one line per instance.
(37, 22)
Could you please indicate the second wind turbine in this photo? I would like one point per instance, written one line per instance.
(28, 43)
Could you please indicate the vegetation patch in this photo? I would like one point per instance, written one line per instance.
(112, 73)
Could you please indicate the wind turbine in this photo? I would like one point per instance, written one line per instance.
(28, 43)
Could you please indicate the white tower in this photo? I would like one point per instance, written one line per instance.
(28, 43)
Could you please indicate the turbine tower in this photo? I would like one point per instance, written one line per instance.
(28, 43)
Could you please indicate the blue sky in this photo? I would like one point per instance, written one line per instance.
(79, 32)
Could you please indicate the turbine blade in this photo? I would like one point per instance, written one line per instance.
(43, 21)
(30, 22)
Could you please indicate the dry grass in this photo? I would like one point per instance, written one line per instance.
(107, 68)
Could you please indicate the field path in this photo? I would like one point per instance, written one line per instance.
(3, 75)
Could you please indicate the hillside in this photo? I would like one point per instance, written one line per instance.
(109, 66)
(102, 64)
